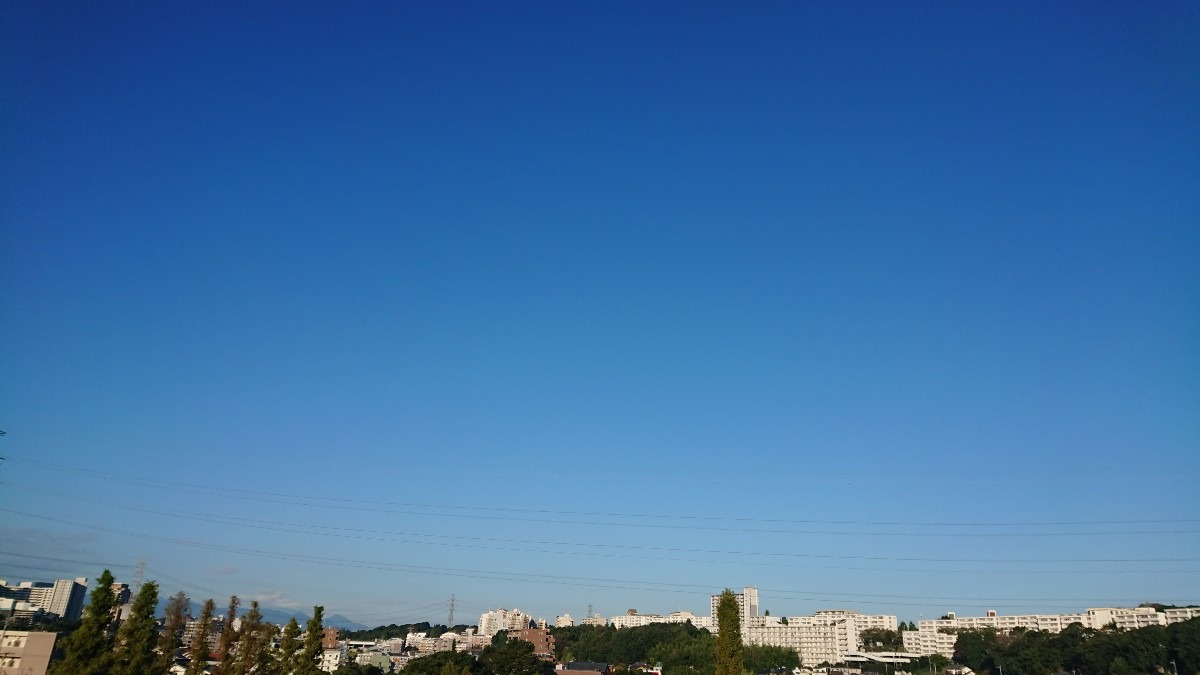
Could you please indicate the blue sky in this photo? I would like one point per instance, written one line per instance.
(887, 307)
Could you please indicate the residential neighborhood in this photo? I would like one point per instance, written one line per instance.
(827, 641)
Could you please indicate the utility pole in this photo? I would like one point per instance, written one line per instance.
(139, 576)
(450, 615)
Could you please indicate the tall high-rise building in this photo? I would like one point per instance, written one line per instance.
(68, 598)
(65, 597)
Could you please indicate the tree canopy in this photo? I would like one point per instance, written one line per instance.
(89, 650)
(1083, 650)
(729, 635)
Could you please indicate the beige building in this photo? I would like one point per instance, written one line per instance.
(25, 652)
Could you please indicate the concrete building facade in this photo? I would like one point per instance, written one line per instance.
(937, 635)
(64, 597)
(25, 652)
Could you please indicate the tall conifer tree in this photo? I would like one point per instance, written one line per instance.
(229, 637)
(254, 641)
(89, 650)
(313, 632)
(289, 649)
(138, 635)
(199, 651)
(729, 635)
(168, 639)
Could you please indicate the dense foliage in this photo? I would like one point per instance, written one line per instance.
(511, 657)
(89, 650)
(681, 648)
(880, 640)
(763, 658)
(356, 669)
(103, 646)
(729, 635)
(445, 663)
(1153, 649)
(607, 644)
(139, 635)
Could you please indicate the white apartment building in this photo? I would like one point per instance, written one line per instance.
(64, 597)
(697, 621)
(1177, 614)
(563, 620)
(925, 642)
(497, 620)
(332, 659)
(824, 637)
(929, 637)
(632, 619)
(594, 620)
(20, 609)
(430, 645)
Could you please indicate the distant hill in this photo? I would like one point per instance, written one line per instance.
(276, 616)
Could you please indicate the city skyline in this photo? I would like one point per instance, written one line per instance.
(884, 307)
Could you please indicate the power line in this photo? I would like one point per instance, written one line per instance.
(306, 500)
(511, 577)
(360, 533)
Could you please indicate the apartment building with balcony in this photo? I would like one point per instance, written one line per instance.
(937, 635)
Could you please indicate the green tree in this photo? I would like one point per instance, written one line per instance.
(449, 663)
(689, 652)
(356, 669)
(513, 657)
(1183, 640)
(254, 644)
(879, 640)
(974, 648)
(199, 652)
(138, 635)
(229, 637)
(310, 655)
(168, 639)
(762, 658)
(89, 650)
(289, 649)
(729, 635)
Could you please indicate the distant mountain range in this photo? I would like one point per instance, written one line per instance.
(276, 616)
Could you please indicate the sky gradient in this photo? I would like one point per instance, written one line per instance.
(886, 307)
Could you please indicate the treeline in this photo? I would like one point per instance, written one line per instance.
(403, 630)
(102, 645)
(1084, 651)
(681, 648)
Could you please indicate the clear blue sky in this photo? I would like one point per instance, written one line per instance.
(851, 301)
